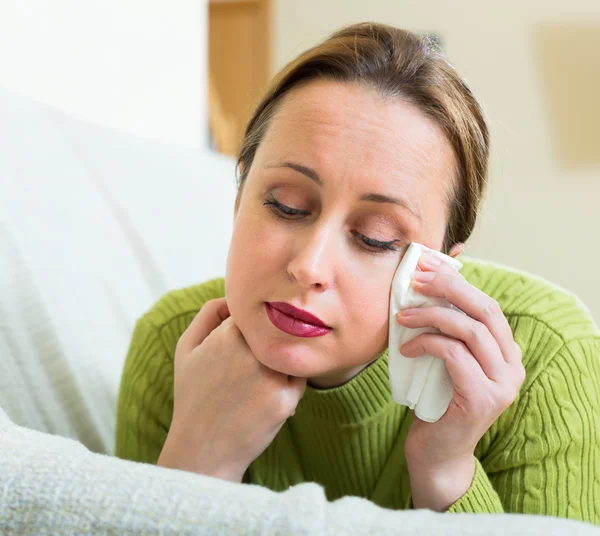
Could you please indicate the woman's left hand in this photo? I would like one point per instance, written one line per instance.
(484, 362)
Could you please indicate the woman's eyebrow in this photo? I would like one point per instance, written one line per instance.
(376, 198)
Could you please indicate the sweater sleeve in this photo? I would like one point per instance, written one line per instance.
(547, 461)
(481, 497)
(145, 404)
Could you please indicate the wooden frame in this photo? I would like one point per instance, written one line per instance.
(240, 44)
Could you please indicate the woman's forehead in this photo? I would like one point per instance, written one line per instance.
(345, 129)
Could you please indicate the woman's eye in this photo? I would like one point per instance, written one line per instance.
(283, 211)
(385, 246)
(279, 209)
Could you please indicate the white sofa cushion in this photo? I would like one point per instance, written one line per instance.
(95, 225)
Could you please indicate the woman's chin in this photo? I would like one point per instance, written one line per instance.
(290, 363)
(293, 359)
(307, 366)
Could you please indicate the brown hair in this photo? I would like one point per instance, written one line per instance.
(398, 64)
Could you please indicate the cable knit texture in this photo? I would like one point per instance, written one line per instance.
(542, 456)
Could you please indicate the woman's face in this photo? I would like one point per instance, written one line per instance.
(312, 215)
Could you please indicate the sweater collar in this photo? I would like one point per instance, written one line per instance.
(364, 397)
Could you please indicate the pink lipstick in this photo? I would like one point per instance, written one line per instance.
(294, 321)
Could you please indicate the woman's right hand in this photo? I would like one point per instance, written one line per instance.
(227, 406)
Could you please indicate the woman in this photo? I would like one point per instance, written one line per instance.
(364, 144)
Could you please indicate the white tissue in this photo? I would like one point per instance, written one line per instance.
(421, 383)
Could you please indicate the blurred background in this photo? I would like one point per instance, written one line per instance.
(188, 73)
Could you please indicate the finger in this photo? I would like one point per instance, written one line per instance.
(463, 368)
(298, 386)
(453, 323)
(449, 284)
(292, 392)
(212, 314)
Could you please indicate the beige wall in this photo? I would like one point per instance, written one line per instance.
(538, 216)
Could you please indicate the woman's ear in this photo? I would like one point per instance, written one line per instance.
(456, 250)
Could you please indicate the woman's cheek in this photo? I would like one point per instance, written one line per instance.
(374, 299)
(271, 240)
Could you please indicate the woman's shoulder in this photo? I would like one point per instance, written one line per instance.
(552, 326)
(172, 313)
(522, 295)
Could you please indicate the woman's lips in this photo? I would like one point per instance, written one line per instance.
(293, 326)
(300, 314)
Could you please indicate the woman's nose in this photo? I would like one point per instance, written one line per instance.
(313, 262)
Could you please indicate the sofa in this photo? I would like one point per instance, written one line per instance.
(95, 225)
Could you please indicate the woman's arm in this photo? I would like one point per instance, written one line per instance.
(538, 445)
(145, 404)
(545, 459)
(184, 371)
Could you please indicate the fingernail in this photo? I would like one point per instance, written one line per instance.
(409, 312)
(424, 277)
(430, 261)
(403, 351)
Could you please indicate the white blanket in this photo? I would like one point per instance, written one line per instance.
(52, 485)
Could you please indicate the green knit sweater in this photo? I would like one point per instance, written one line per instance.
(542, 456)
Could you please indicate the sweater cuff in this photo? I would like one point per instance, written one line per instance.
(480, 498)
